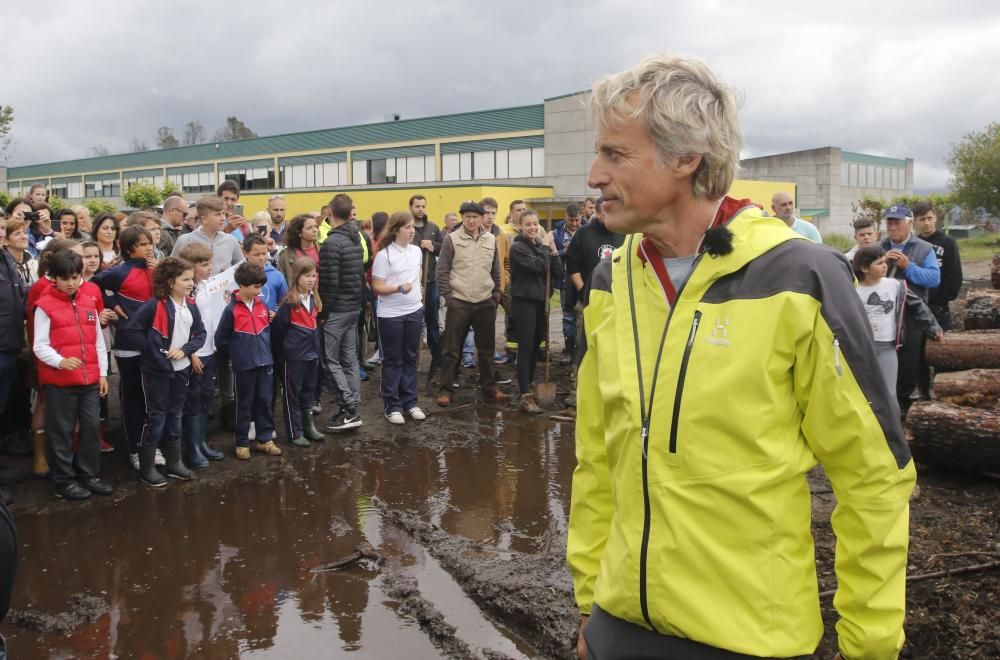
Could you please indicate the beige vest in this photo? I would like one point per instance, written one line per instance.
(472, 266)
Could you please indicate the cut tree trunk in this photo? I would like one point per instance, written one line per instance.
(973, 349)
(955, 436)
(976, 387)
(995, 272)
(982, 309)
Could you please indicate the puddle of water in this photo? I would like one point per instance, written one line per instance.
(220, 572)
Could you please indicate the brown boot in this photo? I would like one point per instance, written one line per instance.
(528, 404)
(41, 466)
(495, 395)
(443, 399)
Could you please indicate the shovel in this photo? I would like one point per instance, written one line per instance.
(547, 390)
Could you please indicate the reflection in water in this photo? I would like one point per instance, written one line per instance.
(222, 570)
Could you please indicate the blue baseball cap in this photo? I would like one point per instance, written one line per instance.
(897, 212)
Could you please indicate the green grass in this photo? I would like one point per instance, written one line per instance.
(981, 248)
(839, 241)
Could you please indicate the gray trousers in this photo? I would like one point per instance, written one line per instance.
(64, 408)
(340, 334)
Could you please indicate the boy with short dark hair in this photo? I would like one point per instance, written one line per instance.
(255, 251)
(865, 233)
(72, 370)
(244, 334)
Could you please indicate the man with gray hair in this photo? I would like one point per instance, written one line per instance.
(784, 208)
(725, 356)
(175, 210)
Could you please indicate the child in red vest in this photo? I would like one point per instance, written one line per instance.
(295, 340)
(72, 372)
(127, 286)
(244, 334)
(168, 330)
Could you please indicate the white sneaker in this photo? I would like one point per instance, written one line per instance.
(252, 433)
(416, 413)
(134, 460)
(159, 460)
(395, 417)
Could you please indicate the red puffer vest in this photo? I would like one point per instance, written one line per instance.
(73, 329)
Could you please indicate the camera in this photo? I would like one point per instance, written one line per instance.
(262, 230)
(32, 216)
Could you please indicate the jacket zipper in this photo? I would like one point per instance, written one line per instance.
(836, 356)
(83, 346)
(680, 382)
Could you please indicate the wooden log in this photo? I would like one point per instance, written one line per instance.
(995, 272)
(982, 309)
(972, 349)
(956, 437)
(972, 387)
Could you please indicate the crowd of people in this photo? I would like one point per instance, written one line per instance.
(203, 312)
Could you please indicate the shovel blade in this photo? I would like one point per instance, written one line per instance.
(546, 394)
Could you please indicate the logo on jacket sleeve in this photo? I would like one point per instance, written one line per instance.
(91, 316)
(605, 251)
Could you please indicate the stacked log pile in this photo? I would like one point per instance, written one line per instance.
(960, 428)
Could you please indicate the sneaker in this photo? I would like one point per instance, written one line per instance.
(468, 362)
(501, 379)
(268, 448)
(243, 453)
(106, 447)
(443, 399)
(348, 419)
(375, 358)
(417, 414)
(500, 358)
(159, 460)
(133, 459)
(395, 417)
(72, 491)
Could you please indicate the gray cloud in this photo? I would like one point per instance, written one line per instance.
(893, 78)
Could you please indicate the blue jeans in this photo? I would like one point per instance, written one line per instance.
(165, 397)
(568, 304)
(467, 348)
(400, 339)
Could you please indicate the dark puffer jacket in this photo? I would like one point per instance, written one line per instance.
(528, 262)
(342, 270)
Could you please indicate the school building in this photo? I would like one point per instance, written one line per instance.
(540, 153)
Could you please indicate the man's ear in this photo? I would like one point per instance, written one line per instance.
(686, 165)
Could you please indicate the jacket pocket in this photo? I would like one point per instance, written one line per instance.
(678, 395)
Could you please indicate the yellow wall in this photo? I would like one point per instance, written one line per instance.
(440, 200)
(760, 192)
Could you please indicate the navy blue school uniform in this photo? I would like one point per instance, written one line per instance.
(295, 339)
(164, 386)
(128, 285)
(244, 334)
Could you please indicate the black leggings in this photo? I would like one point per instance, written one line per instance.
(528, 317)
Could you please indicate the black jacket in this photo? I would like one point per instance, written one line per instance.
(429, 232)
(591, 244)
(528, 262)
(13, 294)
(950, 263)
(342, 270)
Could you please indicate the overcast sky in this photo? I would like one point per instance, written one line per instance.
(901, 79)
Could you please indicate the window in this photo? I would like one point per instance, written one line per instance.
(843, 174)
(871, 176)
(248, 178)
(498, 164)
(879, 177)
(60, 190)
(108, 187)
(520, 163)
(313, 175)
(75, 190)
(377, 172)
(154, 180)
(484, 164)
(360, 172)
(852, 175)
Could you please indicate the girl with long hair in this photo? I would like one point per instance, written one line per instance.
(300, 241)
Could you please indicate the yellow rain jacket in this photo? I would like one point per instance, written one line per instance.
(702, 529)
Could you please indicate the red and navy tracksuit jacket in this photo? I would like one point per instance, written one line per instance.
(73, 328)
(130, 284)
(244, 333)
(151, 327)
(294, 335)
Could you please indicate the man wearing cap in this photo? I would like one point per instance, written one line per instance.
(914, 260)
(784, 207)
(468, 276)
(725, 357)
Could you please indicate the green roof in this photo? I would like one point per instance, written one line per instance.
(523, 118)
(866, 159)
(493, 145)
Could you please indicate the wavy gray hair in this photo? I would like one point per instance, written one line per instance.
(685, 110)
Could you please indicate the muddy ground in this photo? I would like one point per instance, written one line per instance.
(469, 511)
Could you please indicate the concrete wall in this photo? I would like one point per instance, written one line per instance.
(569, 145)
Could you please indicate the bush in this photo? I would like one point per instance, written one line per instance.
(56, 203)
(142, 196)
(99, 206)
(5, 199)
(169, 187)
(839, 241)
